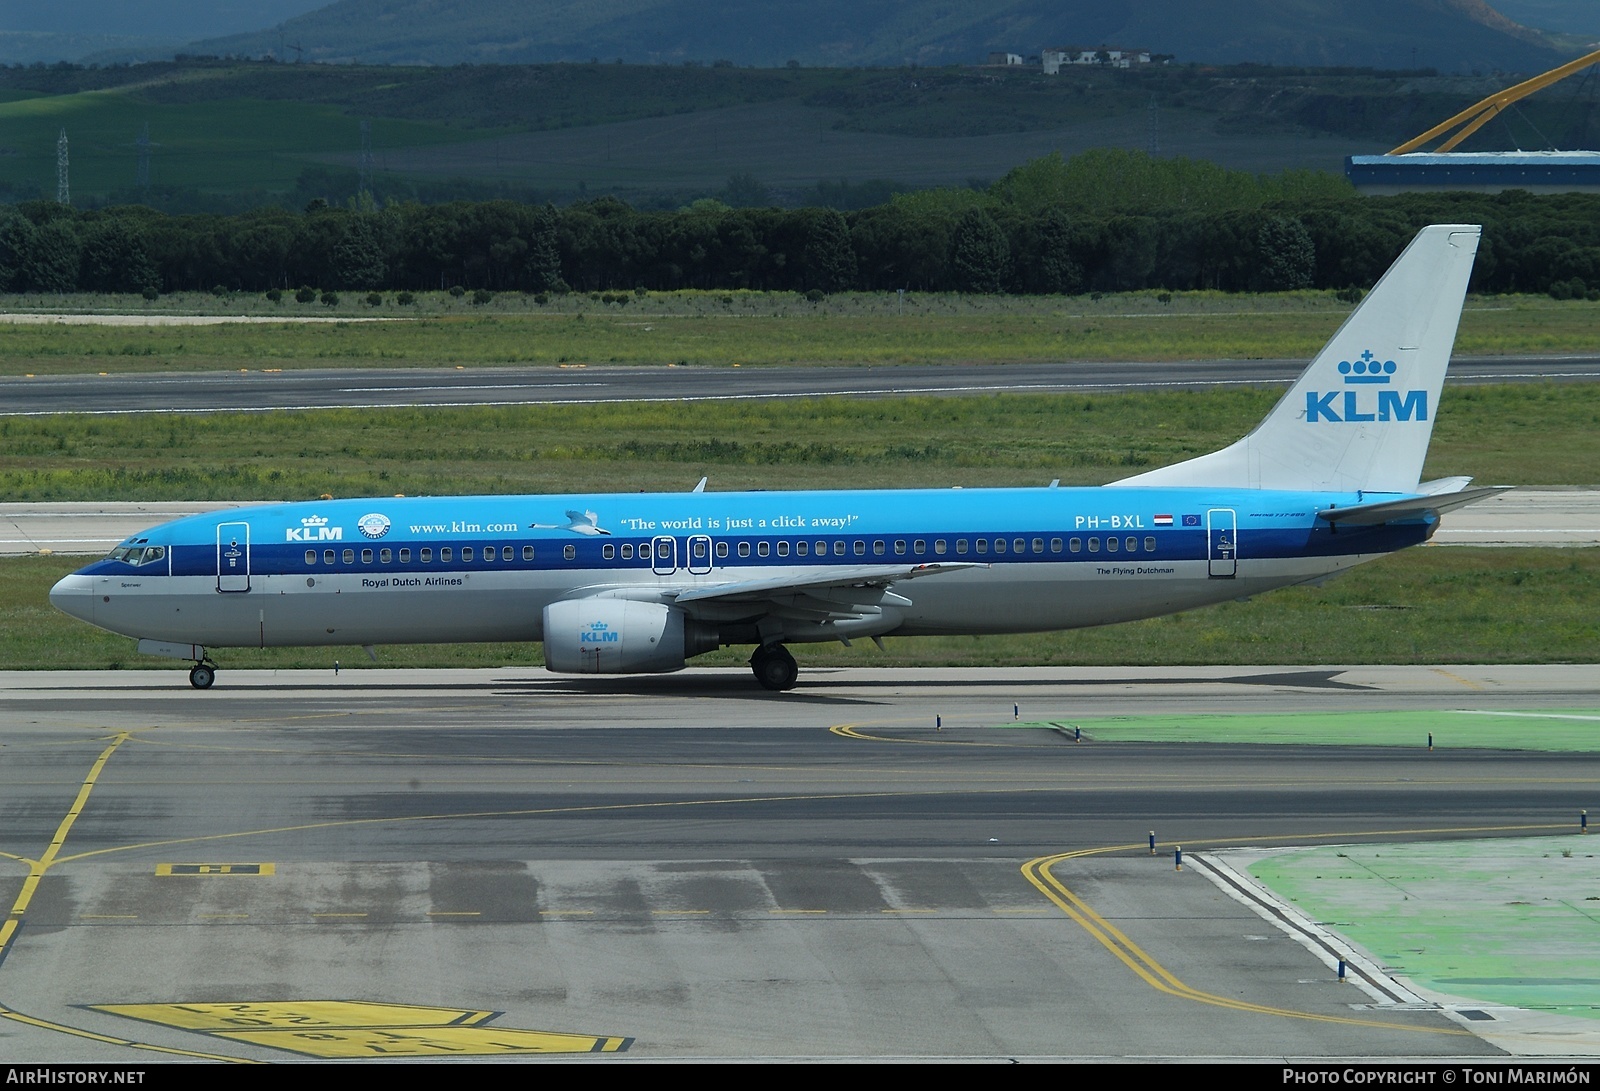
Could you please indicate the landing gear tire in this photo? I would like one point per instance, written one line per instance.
(201, 675)
(774, 667)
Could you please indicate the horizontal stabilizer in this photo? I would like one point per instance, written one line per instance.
(1412, 507)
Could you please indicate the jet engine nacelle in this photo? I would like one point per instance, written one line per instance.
(618, 636)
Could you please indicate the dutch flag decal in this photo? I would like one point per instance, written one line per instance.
(1163, 520)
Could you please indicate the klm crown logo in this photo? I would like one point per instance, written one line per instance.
(314, 528)
(599, 633)
(1366, 370)
(1357, 405)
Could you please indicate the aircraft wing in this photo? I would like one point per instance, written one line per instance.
(1412, 507)
(874, 576)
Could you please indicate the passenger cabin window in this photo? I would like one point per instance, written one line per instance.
(1094, 545)
(1018, 545)
(327, 556)
(349, 556)
(838, 548)
(385, 556)
(466, 553)
(1149, 545)
(744, 549)
(899, 547)
(570, 552)
(698, 548)
(527, 552)
(1076, 545)
(722, 550)
(919, 546)
(802, 549)
(1131, 545)
(1055, 545)
(783, 549)
(425, 555)
(938, 545)
(961, 545)
(1038, 545)
(982, 544)
(763, 548)
(608, 551)
(999, 545)
(1111, 545)
(311, 556)
(878, 549)
(627, 551)
(446, 554)
(366, 556)
(405, 556)
(644, 551)
(860, 548)
(507, 553)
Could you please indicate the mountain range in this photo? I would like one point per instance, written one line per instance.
(1448, 35)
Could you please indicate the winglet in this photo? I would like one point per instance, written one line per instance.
(1360, 416)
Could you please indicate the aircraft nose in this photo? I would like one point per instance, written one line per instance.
(74, 595)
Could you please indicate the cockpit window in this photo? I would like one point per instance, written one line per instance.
(138, 554)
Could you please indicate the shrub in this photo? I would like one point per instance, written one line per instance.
(374, 299)
(405, 299)
(457, 291)
(816, 295)
(330, 298)
(274, 296)
(541, 298)
(219, 290)
(150, 292)
(482, 296)
(305, 295)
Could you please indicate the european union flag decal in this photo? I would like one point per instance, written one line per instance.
(1191, 520)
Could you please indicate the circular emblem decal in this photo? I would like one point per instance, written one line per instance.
(374, 525)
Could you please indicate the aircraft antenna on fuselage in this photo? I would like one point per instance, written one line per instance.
(1360, 416)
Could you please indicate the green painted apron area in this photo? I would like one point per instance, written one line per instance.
(1506, 922)
(1499, 729)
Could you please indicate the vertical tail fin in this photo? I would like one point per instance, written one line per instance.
(1360, 416)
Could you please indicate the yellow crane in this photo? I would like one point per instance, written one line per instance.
(1476, 116)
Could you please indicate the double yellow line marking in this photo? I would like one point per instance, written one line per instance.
(1147, 969)
(37, 868)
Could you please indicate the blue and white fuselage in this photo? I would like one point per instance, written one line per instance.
(626, 582)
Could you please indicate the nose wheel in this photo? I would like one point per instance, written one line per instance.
(201, 675)
(774, 667)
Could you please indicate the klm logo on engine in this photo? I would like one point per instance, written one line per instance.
(598, 633)
(314, 528)
(1365, 397)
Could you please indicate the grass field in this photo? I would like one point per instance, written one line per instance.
(1429, 605)
(747, 328)
(1525, 434)
(228, 144)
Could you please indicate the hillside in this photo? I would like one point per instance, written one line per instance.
(1449, 35)
(1577, 17)
(229, 135)
(136, 29)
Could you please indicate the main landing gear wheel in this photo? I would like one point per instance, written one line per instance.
(201, 675)
(774, 667)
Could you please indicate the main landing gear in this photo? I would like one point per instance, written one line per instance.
(201, 675)
(774, 667)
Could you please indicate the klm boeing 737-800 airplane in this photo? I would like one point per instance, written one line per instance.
(631, 583)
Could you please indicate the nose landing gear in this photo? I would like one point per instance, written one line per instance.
(774, 667)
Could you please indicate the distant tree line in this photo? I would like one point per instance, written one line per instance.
(1109, 221)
